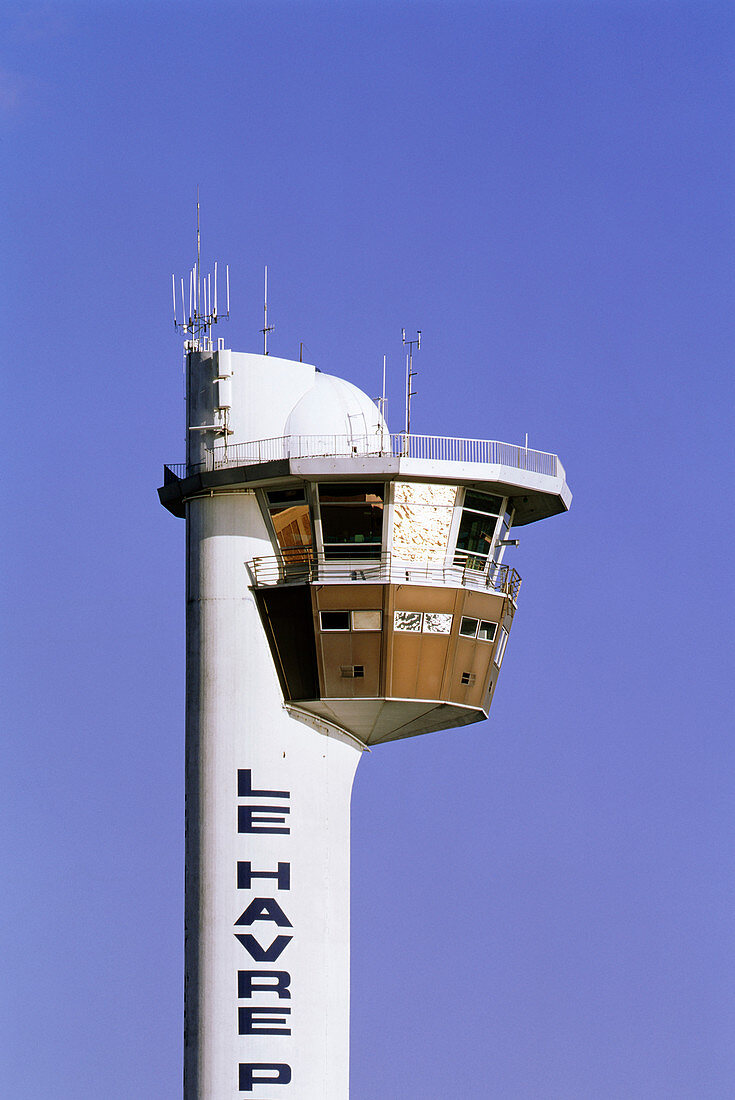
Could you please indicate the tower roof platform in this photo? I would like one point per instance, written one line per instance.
(534, 480)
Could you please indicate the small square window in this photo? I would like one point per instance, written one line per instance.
(335, 620)
(468, 627)
(487, 630)
(467, 678)
(407, 620)
(436, 622)
(352, 672)
(367, 620)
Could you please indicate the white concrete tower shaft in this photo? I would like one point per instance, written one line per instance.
(267, 807)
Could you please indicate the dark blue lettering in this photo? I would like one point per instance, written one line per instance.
(255, 1021)
(249, 818)
(245, 787)
(264, 909)
(246, 874)
(251, 981)
(263, 954)
(252, 1073)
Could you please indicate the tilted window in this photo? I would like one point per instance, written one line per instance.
(480, 513)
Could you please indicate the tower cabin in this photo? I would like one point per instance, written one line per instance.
(376, 559)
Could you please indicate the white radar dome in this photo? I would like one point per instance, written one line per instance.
(335, 417)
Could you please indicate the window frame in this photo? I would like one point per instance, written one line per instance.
(318, 528)
(459, 508)
(334, 629)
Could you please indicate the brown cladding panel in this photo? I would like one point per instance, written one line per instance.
(474, 658)
(483, 605)
(404, 670)
(432, 663)
(416, 598)
(349, 597)
(344, 650)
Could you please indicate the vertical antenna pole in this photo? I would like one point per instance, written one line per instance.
(410, 374)
(227, 271)
(198, 278)
(173, 292)
(382, 410)
(215, 290)
(265, 313)
(408, 392)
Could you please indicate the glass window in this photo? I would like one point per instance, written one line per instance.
(486, 633)
(468, 627)
(367, 620)
(499, 653)
(286, 496)
(352, 519)
(477, 528)
(407, 620)
(289, 514)
(436, 622)
(335, 620)
(483, 502)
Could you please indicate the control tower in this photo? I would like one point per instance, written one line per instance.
(345, 586)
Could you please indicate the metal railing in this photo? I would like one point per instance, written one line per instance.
(431, 448)
(305, 566)
(174, 471)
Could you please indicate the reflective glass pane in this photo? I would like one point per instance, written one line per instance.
(350, 493)
(486, 633)
(407, 620)
(286, 496)
(367, 620)
(335, 620)
(468, 627)
(436, 622)
(475, 533)
(483, 502)
(292, 525)
(352, 523)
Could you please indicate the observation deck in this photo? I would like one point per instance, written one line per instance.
(386, 603)
(535, 481)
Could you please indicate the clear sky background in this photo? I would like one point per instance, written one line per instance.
(543, 904)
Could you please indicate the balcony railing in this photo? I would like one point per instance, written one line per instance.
(305, 566)
(431, 448)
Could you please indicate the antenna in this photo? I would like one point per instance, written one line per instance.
(203, 314)
(410, 374)
(266, 327)
(381, 403)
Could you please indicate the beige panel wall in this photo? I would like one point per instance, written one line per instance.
(405, 664)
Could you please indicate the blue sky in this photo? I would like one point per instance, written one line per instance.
(542, 904)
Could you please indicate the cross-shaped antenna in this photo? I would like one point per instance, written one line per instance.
(266, 327)
(410, 373)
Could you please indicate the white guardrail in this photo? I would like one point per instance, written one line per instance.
(302, 565)
(433, 448)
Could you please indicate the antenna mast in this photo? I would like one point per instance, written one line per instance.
(197, 322)
(410, 374)
(266, 327)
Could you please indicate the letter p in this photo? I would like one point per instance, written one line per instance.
(263, 1073)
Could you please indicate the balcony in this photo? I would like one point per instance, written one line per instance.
(305, 566)
(534, 479)
(431, 448)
